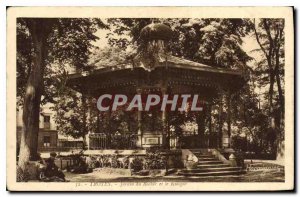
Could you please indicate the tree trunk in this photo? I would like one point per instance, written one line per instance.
(32, 99)
(269, 55)
(280, 127)
(271, 91)
(280, 92)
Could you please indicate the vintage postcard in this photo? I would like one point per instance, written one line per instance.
(150, 99)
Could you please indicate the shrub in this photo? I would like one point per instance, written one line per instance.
(106, 161)
(136, 164)
(155, 159)
(21, 175)
(92, 162)
(81, 167)
(114, 161)
(126, 163)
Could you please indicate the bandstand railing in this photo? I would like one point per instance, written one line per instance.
(191, 140)
(99, 141)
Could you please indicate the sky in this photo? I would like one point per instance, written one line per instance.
(249, 44)
(103, 41)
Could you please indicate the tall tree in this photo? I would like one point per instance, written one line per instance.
(50, 41)
(269, 34)
(39, 30)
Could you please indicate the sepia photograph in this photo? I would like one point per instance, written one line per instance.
(150, 99)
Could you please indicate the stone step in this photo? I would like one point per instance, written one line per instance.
(207, 159)
(199, 151)
(210, 162)
(202, 155)
(208, 165)
(201, 166)
(212, 169)
(217, 173)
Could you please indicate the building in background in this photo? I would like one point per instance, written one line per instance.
(49, 138)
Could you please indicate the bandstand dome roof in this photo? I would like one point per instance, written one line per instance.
(156, 31)
(130, 75)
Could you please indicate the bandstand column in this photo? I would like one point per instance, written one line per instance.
(229, 117)
(109, 132)
(163, 120)
(139, 142)
(220, 131)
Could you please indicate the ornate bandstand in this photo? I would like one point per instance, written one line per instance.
(162, 73)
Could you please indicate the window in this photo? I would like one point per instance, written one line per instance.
(46, 141)
(46, 118)
(46, 122)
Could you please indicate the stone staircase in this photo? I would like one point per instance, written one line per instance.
(208, 165)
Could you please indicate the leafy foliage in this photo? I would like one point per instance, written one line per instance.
(69, 45)
(216, 42)
(154, 159)
(108, 56)
(137, 164)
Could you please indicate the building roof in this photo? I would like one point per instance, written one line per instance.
(124, 78)
(164, 60)
(187, 64)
